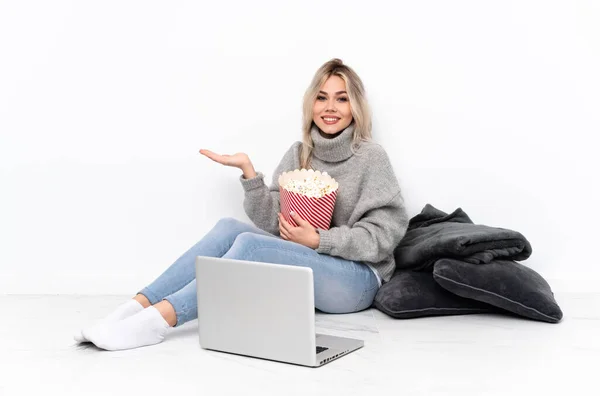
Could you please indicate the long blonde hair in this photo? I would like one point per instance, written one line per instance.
(361, 112)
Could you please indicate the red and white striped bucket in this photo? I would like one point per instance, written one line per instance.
(317, 211)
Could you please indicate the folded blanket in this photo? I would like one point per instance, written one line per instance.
(434, 234)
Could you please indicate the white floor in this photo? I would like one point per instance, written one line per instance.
(453, 355)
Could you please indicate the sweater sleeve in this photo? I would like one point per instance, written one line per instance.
(373, 238)
(261, 203)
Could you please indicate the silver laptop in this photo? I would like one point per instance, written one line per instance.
(263, 310)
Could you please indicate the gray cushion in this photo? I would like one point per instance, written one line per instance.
(504, 284)
(411, 294)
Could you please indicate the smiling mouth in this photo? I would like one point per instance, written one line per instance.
(330, 120)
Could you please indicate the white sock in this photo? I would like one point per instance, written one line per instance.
(123, 311)
(147, 327)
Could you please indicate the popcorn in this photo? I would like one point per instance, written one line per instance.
(311, 187)
(311, 194)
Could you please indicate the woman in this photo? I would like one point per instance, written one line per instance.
(349, 261)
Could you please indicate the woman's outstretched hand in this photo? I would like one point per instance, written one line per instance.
(237, 160)
(305, 234)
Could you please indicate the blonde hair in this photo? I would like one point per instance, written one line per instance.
(361, 112)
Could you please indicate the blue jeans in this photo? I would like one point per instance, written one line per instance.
(341, 286)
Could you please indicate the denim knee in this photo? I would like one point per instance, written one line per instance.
(243, 245)
(228, 223)
(353, 301)
(247, 237)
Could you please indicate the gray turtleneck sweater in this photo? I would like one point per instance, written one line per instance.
(369, 217)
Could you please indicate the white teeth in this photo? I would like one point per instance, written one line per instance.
(331, 119)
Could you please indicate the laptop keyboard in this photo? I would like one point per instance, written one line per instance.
(321, 349)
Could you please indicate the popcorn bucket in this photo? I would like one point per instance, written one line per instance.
(311, 194)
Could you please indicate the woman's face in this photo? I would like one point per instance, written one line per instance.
(331, 111)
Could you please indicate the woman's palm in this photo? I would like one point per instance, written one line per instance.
(236, 160)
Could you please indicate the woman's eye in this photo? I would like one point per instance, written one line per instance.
(323, 98)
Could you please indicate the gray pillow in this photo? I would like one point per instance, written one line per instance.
(412, 294)
(504, 284)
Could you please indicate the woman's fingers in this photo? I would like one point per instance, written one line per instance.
(283, 227)
(283, 223)
(236, 160)
(283, 232)
(221, 159)
(213, 156)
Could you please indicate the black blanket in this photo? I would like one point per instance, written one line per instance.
(434, 234)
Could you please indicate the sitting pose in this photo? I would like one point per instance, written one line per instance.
(350, 260)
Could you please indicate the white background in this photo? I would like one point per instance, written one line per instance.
(488, 106)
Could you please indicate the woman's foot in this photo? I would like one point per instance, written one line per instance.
(123, 311)
(147, 327)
